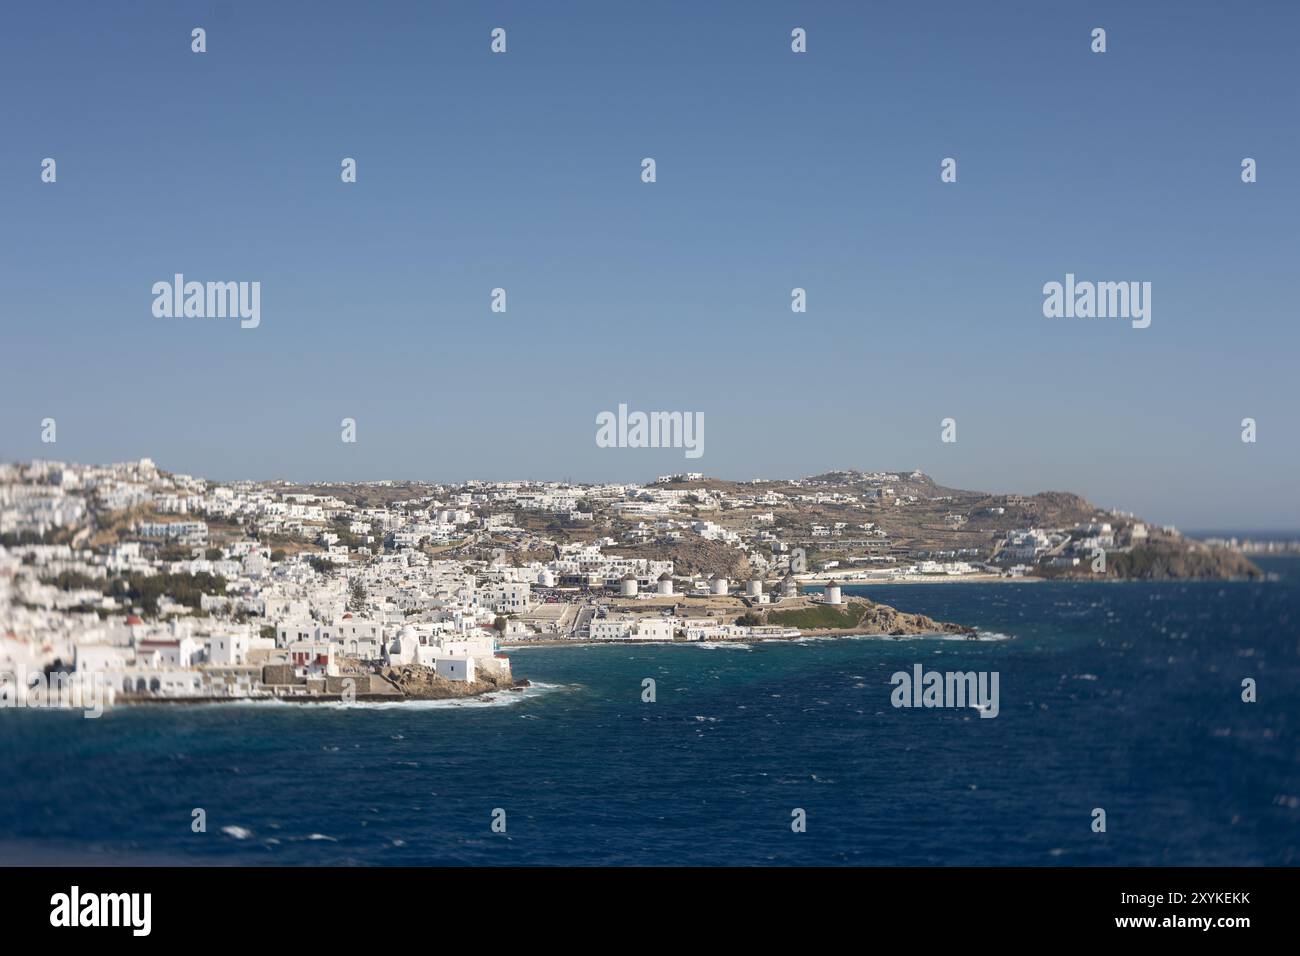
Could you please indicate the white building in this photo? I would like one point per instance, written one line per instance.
(176, 653)
(455, 668)
(632, 628)
(313, 659)
(229, 647)
(503, 597)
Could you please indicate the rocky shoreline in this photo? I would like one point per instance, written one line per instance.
(386, 685)
(861, 616)
(414, 682)
(855, 618)
(1165, 562)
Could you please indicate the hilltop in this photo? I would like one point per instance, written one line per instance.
(839, 523)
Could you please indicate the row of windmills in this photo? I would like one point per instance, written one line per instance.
(758, 592)
(787, 588)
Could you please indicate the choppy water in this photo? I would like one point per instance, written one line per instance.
(1120, 696)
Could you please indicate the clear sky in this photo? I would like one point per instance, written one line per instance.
(775, 170)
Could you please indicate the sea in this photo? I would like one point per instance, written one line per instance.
(1145, 724)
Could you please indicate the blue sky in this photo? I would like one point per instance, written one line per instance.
(775, 170)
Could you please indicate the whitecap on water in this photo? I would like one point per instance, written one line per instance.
(979, 636)
(502, 698)
(983, 636)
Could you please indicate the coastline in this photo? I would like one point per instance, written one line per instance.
(1033, 579)
(424, 694)
(924, 579)
(811, 632)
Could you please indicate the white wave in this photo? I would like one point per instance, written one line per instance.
(238, 833)
(723, 645)
(498, 698)
(979, 636)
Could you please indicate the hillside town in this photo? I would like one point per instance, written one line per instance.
(133, 584)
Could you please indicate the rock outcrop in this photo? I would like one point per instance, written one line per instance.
(857, 617)
(1164, 561)
(883, 619)
(424, 683)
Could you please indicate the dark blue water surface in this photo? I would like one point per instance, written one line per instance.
(1125, 697)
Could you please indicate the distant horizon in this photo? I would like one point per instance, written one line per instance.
(1265, 534)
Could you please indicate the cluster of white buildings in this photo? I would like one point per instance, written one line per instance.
(149, 582)
(271, 613)
(589, 566)
(1070, 547)
(640, 627)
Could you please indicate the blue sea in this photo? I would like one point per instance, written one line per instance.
(1121, 696)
